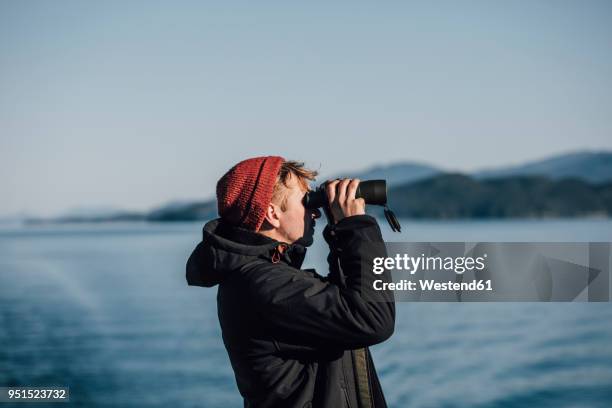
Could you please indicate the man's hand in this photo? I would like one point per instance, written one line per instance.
(342, 201)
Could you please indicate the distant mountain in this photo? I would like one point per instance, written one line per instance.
(113, 217)
(184, 211)
(573, 184)
(175, 211)
(594, 167)
(461, 196)
(89, 214)
(92, 212)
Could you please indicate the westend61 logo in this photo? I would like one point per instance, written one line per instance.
(413, 264)
(490, 271)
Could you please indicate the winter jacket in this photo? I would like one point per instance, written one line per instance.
(296, 338)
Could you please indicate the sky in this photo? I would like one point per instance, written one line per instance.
(133, 104)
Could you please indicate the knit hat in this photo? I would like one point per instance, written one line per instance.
(245, 191)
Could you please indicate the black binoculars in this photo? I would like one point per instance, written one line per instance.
(373, 192)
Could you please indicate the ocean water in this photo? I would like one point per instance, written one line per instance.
(105, 310)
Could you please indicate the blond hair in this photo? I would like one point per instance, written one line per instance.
(289, 168)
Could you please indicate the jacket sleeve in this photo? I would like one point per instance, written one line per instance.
(301, 308)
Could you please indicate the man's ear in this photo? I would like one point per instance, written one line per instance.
(272, 215)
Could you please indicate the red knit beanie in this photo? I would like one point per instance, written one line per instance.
(245, 191)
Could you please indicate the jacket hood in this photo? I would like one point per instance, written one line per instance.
(225, 248)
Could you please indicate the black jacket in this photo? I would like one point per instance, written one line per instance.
(296, 338)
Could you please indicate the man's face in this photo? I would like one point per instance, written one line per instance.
(296, 221)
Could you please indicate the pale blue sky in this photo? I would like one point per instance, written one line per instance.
(135, 103)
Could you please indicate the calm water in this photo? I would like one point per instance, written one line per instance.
(106, 311)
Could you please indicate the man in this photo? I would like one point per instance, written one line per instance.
(294, 338)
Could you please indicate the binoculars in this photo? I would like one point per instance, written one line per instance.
(373, 192)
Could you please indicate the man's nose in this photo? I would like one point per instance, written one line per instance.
(316, 213)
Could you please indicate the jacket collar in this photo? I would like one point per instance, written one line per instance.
(245, 242)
